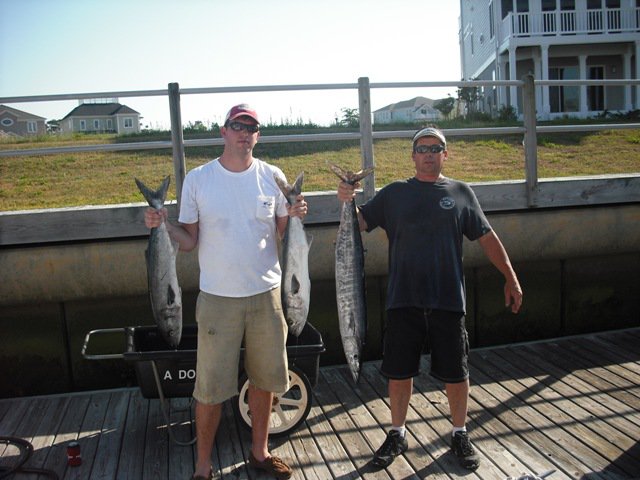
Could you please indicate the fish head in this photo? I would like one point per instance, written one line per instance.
(170, 324)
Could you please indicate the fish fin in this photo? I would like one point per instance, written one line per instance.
(171, 295)
(155, 199)
(295, 285)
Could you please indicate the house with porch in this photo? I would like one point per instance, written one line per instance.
(408, 111)
(108, 117)
(553, 40)
(19, 123)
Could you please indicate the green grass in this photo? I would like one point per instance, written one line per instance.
(104, 178)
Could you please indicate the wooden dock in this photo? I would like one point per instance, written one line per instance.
(571, 405)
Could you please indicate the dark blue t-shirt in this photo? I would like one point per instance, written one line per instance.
(424, 223)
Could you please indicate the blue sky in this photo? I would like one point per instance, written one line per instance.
(80, 46)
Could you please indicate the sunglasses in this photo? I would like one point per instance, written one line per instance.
(429, 148)
(238, 127)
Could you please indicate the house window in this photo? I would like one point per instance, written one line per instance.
(109, 124)
(507, 8)
(83, 125)
(6, 122)
(96, 124)
(564, 99)
(128, 122)
(32, 127)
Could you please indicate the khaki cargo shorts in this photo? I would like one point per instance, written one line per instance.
(223, 323)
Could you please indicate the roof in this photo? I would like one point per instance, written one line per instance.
(100, 110)
(415, 103)
(20, 114)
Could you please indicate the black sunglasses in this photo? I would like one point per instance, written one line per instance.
(238, 127)
(428, 148)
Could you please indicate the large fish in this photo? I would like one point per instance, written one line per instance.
(350, 287)
(164, 291)
(296, 285)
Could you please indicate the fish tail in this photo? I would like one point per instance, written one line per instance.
(287, 189)
(350, 177)
(155, 198)
(297, 186)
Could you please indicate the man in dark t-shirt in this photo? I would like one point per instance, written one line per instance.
(425, 219)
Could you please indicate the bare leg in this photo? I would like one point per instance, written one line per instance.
(207, 421)
(399, 397)
(260, 403)
(458, 395)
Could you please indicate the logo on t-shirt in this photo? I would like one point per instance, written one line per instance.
(447, 203)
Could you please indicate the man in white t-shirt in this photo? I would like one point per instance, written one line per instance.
(233, 211)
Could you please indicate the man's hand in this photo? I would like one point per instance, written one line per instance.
(154, 218)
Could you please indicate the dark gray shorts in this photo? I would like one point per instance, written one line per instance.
(409, 330)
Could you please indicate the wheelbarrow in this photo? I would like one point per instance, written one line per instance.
(163, 373)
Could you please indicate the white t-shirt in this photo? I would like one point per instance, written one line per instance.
(237, 238)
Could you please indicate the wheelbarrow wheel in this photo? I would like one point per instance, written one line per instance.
(289, 409)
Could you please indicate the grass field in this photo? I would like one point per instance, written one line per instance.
(104, 178)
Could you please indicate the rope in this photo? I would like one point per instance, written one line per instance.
(26, 450)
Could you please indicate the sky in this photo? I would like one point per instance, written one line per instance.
(83, 46)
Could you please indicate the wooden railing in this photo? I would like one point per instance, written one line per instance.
(571, 22)
(73, 224)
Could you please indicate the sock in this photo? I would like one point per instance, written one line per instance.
(458, 429)
(401, 429)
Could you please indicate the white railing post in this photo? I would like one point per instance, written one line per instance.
(366, 134)
(177, 139)
(530, 139)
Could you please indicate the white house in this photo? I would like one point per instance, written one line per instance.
(109, 117)
(414, 110)
(553, 40)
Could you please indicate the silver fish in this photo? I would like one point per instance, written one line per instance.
(296, 285)
(164, 291)
(350, 286)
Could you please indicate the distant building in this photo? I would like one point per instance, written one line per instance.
(19, 123)
(111, 117)
(553, 40)
(415, 110)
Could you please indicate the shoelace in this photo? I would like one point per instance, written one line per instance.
(389, 446)
(465, 445)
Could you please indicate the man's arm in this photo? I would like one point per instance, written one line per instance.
(497, 255)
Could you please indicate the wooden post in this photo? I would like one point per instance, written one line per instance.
(366, 135)
(530, 140)
(177, 139)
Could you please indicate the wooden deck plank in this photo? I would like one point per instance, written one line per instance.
(359, 451)
(433, 392)
(69, 431)
(569, 404)
(426, 453)
(354, 399)
(133, 446)
(615, 427)
(90, 431)
(569, 416)
(181, 457)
